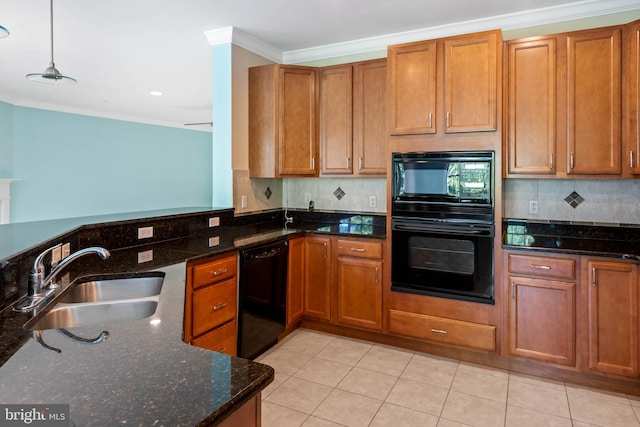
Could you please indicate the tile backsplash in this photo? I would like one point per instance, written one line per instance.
(327, 194)
(612, 201)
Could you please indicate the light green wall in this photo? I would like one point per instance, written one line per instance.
(71, 165)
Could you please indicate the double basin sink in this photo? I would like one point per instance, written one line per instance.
(102, 300)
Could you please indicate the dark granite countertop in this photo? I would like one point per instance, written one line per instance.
(572, 238)
(144, 374)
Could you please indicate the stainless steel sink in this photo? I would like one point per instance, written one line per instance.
(115, 288)
(94, 313)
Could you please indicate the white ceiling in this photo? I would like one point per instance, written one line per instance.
(120, 50)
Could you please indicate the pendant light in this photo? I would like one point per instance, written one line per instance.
(3, 32)
(51, 75)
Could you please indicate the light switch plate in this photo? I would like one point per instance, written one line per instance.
(214, 241)
(145, 256)
(214, 221)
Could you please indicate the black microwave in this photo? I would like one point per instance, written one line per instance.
(443, 185)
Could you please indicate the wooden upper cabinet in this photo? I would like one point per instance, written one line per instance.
(632, 153)
(283, 131)
(352, 119)
(594, 101)
(336, 119)
(530, 106)
(470, 82)
(412, 86)
(369, 117)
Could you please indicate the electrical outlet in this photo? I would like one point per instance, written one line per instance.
(145, 232)
(533, 207)
(214, 241)
(145, 256)
(214, 222)
(243, 202)
(56, 256)
(66, 250)
(373, 201)
(307, 198)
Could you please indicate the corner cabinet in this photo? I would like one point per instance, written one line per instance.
(462, 70)
(359, 283)
(352, 119)
(317, 294)
(611, 291)
(283, 129)
(211, 304)
(632, 152)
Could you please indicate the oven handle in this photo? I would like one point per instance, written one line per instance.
(443, 230)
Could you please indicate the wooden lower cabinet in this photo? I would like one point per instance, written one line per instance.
(211, 304)
(442, 330)
(612, 301)
(542, 319)
(248, 415)
(295, 281)
(541, 307)
(359, 292)
(317, 293)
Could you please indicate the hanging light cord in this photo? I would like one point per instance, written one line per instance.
(51, 27)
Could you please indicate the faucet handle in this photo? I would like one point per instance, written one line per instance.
(38, 264)
(37, 272)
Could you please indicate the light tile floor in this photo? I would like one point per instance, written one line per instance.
(327, 380)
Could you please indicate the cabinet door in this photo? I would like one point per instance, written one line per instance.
(412, 82)
(295, 281)
(531, 106)
(593, 102)
(471, 82)
(542, 320)
(613, 316)
(297, 138)
(317, 294)
(359, 290)
(369, 119)
(633, 80)
(336, 119)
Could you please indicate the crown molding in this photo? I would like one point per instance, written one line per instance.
(244, 40)
(530, 18)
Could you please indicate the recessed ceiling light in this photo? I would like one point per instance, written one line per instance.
(155, 93)
(3, 32)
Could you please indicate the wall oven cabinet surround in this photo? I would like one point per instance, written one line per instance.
(445, 86)
(283, 129)
(352, 119)
(542, 307)
(211, 304)
(563, 104)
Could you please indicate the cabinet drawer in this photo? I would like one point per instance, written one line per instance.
(564, 268)
(441, 330)
(214, 271)
(222, 339)
(213, 306)
(359, 248)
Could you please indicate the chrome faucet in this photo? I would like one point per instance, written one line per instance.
(42, 288)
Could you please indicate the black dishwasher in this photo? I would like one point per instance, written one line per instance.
(263, 297)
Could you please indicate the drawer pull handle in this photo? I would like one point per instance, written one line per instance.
(219, 272)
(358, 250)
(219, 306)
(221, 349)
(594, 275)
(541, 267)
(439, 331)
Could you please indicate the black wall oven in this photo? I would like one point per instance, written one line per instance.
(443, 224)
